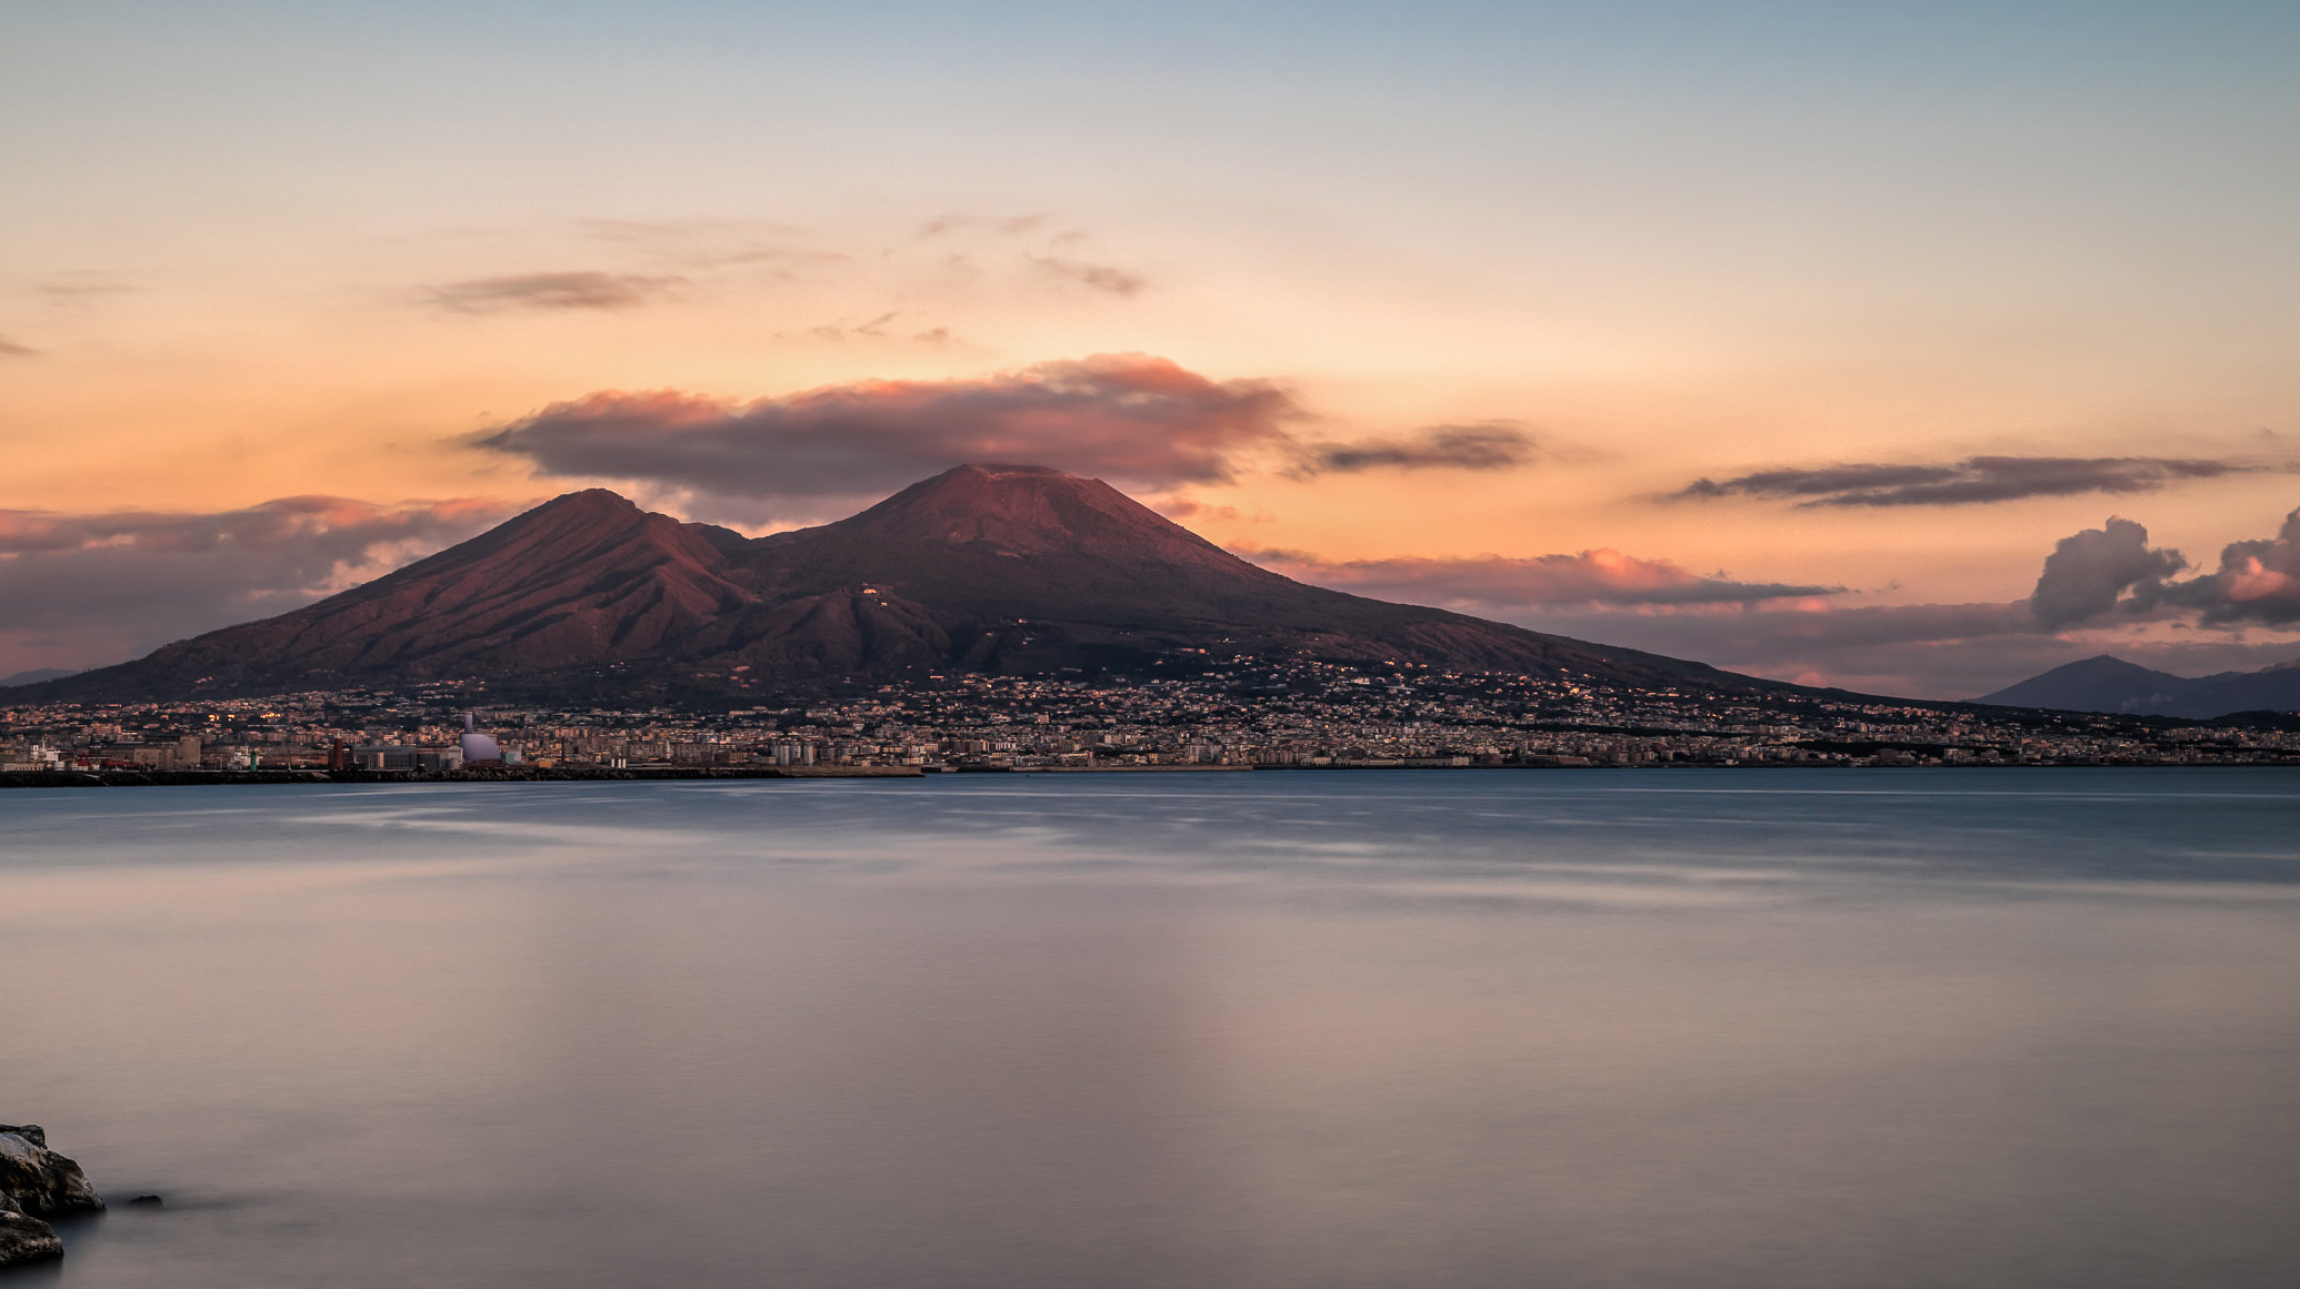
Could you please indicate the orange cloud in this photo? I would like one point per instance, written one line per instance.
(1493, 585)
(1131, 418)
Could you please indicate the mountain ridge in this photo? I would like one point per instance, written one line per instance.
(36, 675)
(1004, 568)
(2105, 683)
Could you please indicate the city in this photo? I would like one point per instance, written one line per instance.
(1235, 713)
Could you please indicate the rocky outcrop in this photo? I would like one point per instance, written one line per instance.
(36, 1183)
(42, 1182)
(24, 1238)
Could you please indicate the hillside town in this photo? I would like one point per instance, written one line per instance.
(1237, 713)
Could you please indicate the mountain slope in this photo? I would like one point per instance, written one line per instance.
(2271, 689)
(1100, 580)
(2100, 684)
(586, 577)
(35, 676)
(2108, 684)
(988, 568)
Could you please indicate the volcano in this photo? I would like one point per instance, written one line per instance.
(1007, 569)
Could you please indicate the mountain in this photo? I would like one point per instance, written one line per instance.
(2102, 684)
(35, 676)
(1014, 569)
(2106, 684)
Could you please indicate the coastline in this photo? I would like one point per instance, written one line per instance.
(224, 778)
(202, 778)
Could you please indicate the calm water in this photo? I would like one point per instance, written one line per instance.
(1777, 1029)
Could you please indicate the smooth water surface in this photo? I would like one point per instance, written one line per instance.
(1414, 1029)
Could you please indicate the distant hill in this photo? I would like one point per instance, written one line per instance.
(2102, 684)
(1016, 569)
(36, 675)
(2106, 684)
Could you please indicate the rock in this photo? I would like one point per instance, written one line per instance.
(42, 1182)
(36, 1183)
(146, 1201)
(24, 1238)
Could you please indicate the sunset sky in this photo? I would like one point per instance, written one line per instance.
(1791, 338)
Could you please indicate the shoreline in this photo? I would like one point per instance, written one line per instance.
(228, 778)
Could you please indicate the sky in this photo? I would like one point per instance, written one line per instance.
(1910, 348)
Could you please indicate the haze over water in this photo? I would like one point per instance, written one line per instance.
(1755, 1028)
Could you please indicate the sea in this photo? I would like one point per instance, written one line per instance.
(1463, 1029)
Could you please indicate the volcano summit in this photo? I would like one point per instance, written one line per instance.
(1010, 569)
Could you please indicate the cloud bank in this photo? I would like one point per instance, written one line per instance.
(80, 590)
(1130, 418)
(2087, 572)
(2257, 581)
(1137, 420)
(2106, 585)
(1972, 481)
(1492, 585)
(2111, 571)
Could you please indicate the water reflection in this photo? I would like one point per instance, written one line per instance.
(1315, 1029)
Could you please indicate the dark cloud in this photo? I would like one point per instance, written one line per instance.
(10, 349)
(89, 589)
(1973, 480)
(1486, 445)
(2257, 583)
(2111, 572)
(583, 290)
(1492, 585)
(2087, 573)
(1130, 418)
(1101, 277)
